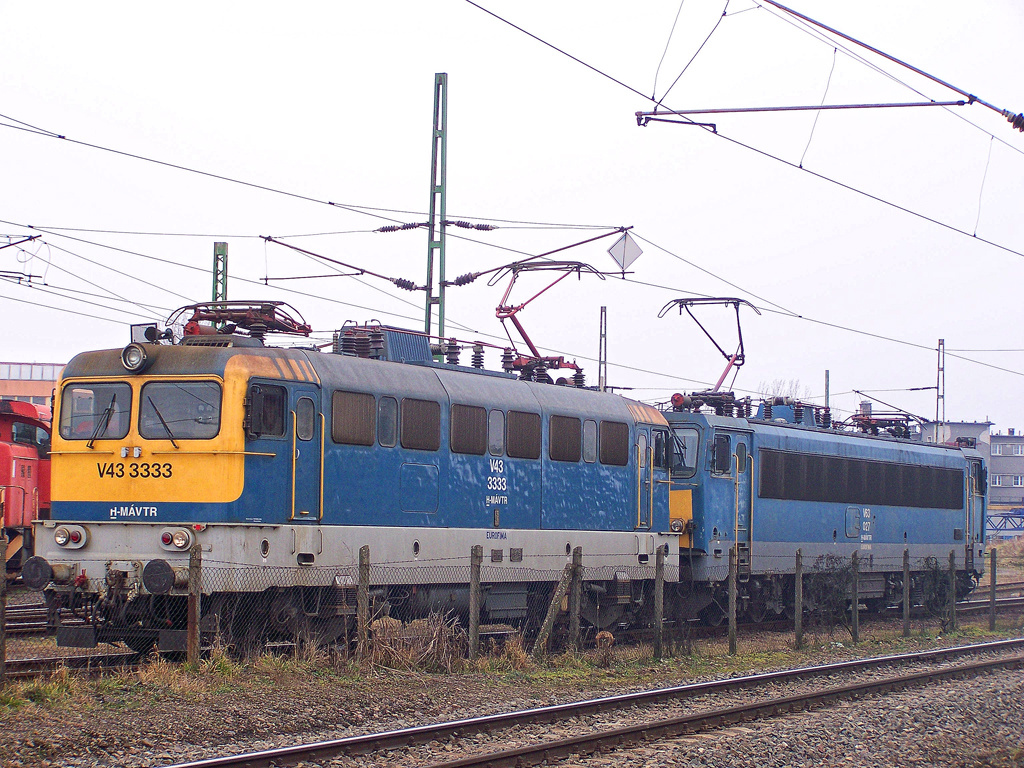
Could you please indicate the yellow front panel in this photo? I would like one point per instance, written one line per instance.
(199, 471)
(680, 507)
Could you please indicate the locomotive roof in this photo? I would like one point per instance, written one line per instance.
(464, 385)
(820, 436)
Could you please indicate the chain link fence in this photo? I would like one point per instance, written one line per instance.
(439, 616)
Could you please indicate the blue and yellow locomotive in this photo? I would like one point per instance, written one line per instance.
(288, 461)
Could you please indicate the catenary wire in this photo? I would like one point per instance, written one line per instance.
(694, 57)
(765, 153)
(664, 53)
(831, 43)
(780, 310)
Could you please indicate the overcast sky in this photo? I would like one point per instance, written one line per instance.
(332, 102)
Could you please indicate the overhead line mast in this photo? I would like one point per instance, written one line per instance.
(436, 222)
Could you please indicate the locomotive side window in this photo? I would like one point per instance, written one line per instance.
(95, 411)
(590, 441)
(265, 417)
(614, 443)
(660, 448)
(469, 429)
(837, 479)
(523, 435)
(564, 442)
(187, 410)
(305, 419)
(30, 434)
(721, 457)
(352, 418)
(685, 442)
(496, 433)
(387, 422)
(421, 424)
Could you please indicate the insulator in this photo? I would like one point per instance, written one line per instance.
(478, 355)
(388, 228)
(747, 408)
(540, 372)
(798, 413)
(362, 345)
(768, 410)
(579, 380)
(348, 344)
(727, 409)
(507, 359)
(377, 344)
(336, 343)
(826, 418)
(485, 227)
(451, 352)
(465, 279)
(436, 350)
(1017, 121)
(405, 285)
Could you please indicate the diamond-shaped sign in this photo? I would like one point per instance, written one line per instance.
(625, 251)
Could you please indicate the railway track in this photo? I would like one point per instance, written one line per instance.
(25, 668)
(595, 737)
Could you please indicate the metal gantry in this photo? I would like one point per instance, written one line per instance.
(436, 221)
(220, 271)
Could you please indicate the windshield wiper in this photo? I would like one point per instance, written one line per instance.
(104, 422)
(160, 416)
(680, 455)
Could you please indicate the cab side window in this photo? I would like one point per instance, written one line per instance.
(266, 409)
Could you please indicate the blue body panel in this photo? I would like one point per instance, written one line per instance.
(787, 521)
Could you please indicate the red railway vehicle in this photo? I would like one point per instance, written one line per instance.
(24, 476)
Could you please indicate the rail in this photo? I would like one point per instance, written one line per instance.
(379, 742)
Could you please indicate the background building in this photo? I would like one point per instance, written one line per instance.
(1006, 470)
(30, 382)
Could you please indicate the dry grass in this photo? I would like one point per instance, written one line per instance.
(437, 643)
(504, 656)
(1009, 560)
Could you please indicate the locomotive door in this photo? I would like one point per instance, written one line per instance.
(644, 476)
(975, 513)
(731, 458)
(307, 442)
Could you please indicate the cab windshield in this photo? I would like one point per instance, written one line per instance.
(685, 443)
(95, 410)
(179, 410)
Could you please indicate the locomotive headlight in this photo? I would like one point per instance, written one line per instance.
(676, 526)
(134, 358)
(180, 539)
(70, 536)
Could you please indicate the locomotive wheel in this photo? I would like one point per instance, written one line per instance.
(713, 615)
(757, 610)
(141, 644)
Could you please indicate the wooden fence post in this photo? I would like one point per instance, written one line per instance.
(906, 592)
(855, 598)
(363, 604)
(540, 647)
(952, 590)
(659, 602)
(732, 600)
(991, 594)
(576, 597)
(476, 559)
(798, 600)
(195, 597)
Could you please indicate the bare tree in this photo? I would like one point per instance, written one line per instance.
(783, 388)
